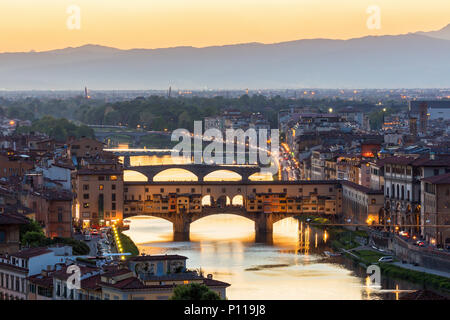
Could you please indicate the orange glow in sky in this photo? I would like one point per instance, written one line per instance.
(42, 25)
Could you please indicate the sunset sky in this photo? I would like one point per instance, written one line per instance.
(41, 24)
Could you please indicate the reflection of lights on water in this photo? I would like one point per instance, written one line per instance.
(368, 284)
(316, 240)
(325, 236)
(396, 292)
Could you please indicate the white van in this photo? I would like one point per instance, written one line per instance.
(386, 259)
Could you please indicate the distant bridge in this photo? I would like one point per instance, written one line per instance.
(200, 170)
(135, 135)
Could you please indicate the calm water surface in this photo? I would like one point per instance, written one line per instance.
(292, 267)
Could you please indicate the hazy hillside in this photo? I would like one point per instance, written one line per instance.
(412, 60)
(440, 34)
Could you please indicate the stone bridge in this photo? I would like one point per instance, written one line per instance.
(263, 221)
(200, 170)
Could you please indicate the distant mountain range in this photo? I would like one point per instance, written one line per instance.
(415, 60)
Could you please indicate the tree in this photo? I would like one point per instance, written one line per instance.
(33, 238)
(194, 291)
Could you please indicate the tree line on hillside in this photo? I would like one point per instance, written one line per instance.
(58, 129)
(159, 113)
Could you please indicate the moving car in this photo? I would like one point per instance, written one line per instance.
(386, 259)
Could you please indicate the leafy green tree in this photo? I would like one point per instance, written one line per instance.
(194, 291)
(33, 238)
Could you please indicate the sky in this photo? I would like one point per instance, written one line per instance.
(41, 25)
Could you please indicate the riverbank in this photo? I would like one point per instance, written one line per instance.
(366, 256)
(127, 245)
(353, 244)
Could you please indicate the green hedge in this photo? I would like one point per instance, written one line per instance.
(128, 244)
(426, 279)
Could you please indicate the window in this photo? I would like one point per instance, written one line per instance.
(192, 190)
(300, 190)
(101, 178)
(113, 178)
(436, 172)
(101, 187)
(161, 190)
(374, 201)
(146, 189)
(85, 187)
(113, 187)
(178, 190)
(113, 197)
(113, 206)
(60, 214)
(86, 196)
(2, 236)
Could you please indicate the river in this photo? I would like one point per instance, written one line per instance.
(292, 267)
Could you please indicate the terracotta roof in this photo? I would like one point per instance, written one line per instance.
(62, 274)
(440, 179)
(91, 283)
(41, 280)
(425, 160)
(361, 188)
(12, 267)
(12, 218)
(134, 283)
(31, 252)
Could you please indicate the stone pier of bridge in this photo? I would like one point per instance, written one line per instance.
(263, 223)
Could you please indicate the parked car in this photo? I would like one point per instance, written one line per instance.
(419, 243)
(386, 259)
(87, 237)
(95, 232)
(404, 234)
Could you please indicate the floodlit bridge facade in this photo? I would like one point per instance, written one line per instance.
(263, 202)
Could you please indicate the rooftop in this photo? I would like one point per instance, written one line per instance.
(440, 179)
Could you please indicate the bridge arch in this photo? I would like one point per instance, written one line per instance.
(222, 175)
(133, 175)
(237, 200)
(175, 174)
(207, 200)
(223, 201)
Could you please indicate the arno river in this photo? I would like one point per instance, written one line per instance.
(293, 267)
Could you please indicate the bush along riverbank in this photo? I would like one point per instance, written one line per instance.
(127, 244)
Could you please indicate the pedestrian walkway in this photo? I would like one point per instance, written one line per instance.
(422, 269)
